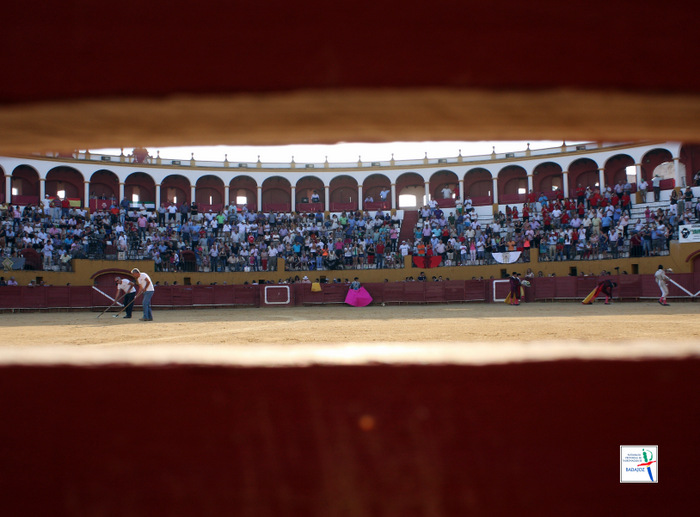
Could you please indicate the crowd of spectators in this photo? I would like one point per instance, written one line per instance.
(185, 239)
(592, 225)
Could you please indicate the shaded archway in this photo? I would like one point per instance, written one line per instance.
(690, 158)
(659, 161)
(444, 187)
(209, 193)
(106, 277)
(65, 183)
(584, 171)
(512, 184)
(175, 189)
(343, 194)
(310, 195)
(276, 195)
(478, 186)
(3, 194)
(615, 170)
(140, 189)
(548, 179)
(694, 259)
(410, 190)
(25, 186)
(104, 190)
(373, 186)
(243, 191)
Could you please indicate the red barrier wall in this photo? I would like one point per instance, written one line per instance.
(566, 287)
(402, 440)
(542, 289)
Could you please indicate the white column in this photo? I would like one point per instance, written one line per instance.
(121, 191)
(42, 189)
(461, 190)
(193, 193)
(495, 191)
(8, 188)
(530, 182)
(677, 172)
(227, 195)
(260, 198)
(157, 196)
(86, 202)
(565, 183)
(360, 198)
(294, 199)
(601, 180)
(394, 201)
(427, 192)
(327, 189)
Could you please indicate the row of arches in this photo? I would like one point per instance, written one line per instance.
(343, 192)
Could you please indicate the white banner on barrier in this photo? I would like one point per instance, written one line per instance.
(506, 258)
(689, 233)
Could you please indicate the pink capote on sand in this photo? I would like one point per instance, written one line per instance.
(359, 298)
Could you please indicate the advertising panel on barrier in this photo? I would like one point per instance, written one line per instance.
(689, 233)
(277, 295)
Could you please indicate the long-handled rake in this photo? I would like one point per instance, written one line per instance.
(115, 301)
(125, 306)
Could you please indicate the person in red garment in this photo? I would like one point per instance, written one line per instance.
(514, 289)
(605, 287)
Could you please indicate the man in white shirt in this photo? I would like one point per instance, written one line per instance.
(661, 279)
(643, 187)
(172, 210)
(47, 251)
(126, 286)
(146, 289)
(618, 188)
(656, 184)
(46, 204)
(556, 217)
(122, 242)
(613, 238)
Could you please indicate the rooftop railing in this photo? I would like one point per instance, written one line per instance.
(158, 161)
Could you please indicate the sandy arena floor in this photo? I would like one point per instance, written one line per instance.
(472, 333)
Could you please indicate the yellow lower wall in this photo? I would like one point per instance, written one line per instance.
(85, 269)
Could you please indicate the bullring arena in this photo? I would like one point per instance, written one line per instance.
(444, 401)
(471, 333)
(250, 395)
(336, 409)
